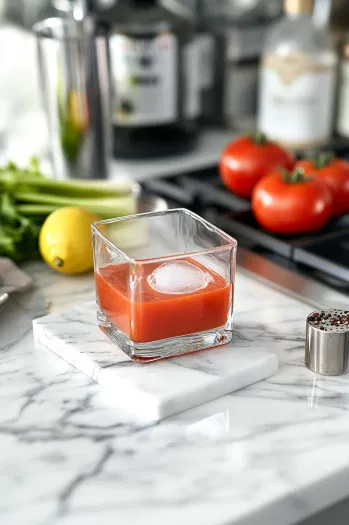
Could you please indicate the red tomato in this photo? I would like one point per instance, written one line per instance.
(291, 203)
(335, 174)
(247, 159)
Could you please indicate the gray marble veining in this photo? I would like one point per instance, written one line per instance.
(151, 391)
(274, 452)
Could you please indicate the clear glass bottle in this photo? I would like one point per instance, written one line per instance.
(297, 80)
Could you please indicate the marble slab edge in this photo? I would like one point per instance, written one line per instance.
(147, 403)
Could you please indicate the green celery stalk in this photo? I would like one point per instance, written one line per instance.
(36, 209)
(103, 207)
(78, 188)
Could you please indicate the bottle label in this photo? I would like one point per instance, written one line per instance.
(144, 79)
(296, 99)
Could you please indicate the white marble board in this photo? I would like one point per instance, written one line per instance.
(153, 390)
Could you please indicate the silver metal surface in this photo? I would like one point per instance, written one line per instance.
(302, 288)
(327, 344)
(73, 64)
(78, 9)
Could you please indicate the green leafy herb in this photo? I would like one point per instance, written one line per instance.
(18, 234)
(27, 197)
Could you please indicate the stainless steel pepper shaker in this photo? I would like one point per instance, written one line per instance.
(327, 342)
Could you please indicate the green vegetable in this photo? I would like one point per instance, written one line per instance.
(18, 233)
(27, 197)
(105, 208)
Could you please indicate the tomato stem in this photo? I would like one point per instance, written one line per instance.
(259, 138)
(324, 159)
(295, 176)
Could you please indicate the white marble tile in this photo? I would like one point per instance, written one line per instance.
(154, 390)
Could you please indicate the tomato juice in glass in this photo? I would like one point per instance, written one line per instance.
(164, 283)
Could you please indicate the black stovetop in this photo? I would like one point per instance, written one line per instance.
(323, 255)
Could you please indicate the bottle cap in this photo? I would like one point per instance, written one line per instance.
(298, 7)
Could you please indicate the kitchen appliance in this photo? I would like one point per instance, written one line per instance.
(73, 64)
(154, 61)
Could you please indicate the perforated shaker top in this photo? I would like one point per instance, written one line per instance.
(334, 320)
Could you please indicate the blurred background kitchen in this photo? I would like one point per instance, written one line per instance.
(218, 89)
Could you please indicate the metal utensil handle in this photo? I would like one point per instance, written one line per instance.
(3, 298)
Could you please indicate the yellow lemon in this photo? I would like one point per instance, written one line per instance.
(65, 240)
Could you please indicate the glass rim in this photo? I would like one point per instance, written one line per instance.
(231, 242)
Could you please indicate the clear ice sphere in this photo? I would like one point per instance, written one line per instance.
(179, 277)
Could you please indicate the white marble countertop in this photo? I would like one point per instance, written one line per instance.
(273, 453)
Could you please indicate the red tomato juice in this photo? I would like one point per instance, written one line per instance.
(152, 315)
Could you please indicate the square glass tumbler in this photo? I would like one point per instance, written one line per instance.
(164, 283)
